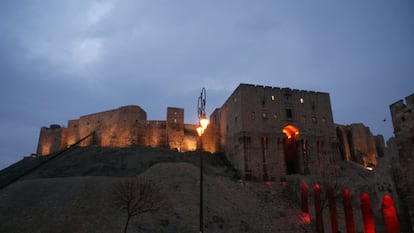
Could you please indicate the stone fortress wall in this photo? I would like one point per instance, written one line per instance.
(266, 133)
(358, 144)
(269, 133)
(255, 123)
(124, 127)
(403, 122)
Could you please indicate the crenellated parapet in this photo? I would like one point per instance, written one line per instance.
(402, 116)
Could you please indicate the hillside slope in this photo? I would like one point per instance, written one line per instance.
(73, 202)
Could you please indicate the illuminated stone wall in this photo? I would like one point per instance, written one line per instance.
(175, 128)
(190, 141)
(50, 139)
(155, 134)
(403, 122)
(358, 144)
(251, 123)
(251, 128)
(124, 127)
(117, 128)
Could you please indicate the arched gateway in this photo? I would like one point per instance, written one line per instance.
(291, 149)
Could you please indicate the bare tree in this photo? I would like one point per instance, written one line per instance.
(137, 196)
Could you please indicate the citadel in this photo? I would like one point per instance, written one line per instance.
(268, 134)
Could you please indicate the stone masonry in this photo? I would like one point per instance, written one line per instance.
(266, 132)
(358, 144)
(403, 122)
(269, 132)
(124, 127)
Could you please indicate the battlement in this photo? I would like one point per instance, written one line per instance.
(410, 100)
(283, 89)
(402, 115)
(400, 106)
(52, 127)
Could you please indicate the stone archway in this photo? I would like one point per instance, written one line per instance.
(291, 149)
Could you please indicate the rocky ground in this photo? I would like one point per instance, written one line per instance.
(72, 193)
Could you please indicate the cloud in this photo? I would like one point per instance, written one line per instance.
(98, 11)
(85, 51)
(63, 59)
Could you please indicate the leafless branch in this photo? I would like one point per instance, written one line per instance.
(137, 196)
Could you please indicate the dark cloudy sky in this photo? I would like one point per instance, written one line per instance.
(63, 59)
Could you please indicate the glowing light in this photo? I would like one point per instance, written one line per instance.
(306, 218)
(290, 131)
(390, 215)
(304, 198)
(202, 126)
(349, 217)
(287, 133)
(204, 123)
(46, 149)
(200, 131)
(367, 215)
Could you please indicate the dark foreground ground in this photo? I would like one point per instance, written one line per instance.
(73, 193)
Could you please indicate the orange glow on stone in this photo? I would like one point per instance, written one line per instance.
(46, 149)
(290, 131)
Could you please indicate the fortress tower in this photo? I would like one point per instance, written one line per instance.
(269, 132)
(403, 122)
(358, 144)
(175, 127)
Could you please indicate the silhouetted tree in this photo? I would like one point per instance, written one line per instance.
(136, 196)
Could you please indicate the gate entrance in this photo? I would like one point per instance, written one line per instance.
(291, 149)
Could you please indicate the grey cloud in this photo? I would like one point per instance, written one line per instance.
(63, 59)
